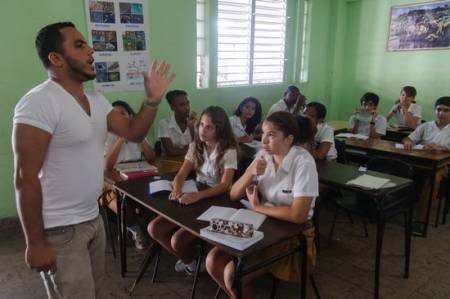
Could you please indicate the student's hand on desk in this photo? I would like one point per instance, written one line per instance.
(252, 195)
(188, 198)
(408, 145)
(175, 194)
(434, 147)
(41, 257)
(259, 167)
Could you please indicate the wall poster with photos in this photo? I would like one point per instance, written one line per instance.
(118, 32)
(420, 26)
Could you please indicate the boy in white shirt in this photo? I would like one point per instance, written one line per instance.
(177, 131)
(405, 110)
(324, 137)
(366, 120)
(435, 137)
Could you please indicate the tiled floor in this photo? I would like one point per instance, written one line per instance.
(345, 268)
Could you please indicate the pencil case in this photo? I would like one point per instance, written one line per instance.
(229, 227)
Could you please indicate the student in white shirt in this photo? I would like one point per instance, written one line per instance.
(177, 131)
(407, 112)
(287, 182)
(324, 137)
(213, 155)
(435, 137)
(366, 120)
(293, 101)
(246, 118)
(117, 150)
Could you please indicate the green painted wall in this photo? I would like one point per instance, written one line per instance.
(365, 65)
(172, 37)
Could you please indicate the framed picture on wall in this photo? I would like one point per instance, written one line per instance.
(420, 26)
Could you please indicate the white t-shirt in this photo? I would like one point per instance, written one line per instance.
(364, 126)
(168, 128)
(296, 177)
(130, 151)
(281, 106)
(415, 110)
(325, 133)
(429, 132)
(237, 126)
(72, 173)
(206, 173)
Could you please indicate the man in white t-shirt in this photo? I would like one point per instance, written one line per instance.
(58, 138)
(293, 101)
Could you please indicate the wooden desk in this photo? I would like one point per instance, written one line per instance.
(275, 231)
(396, 134)
(339, 126)
(420, 160)
(337, 175)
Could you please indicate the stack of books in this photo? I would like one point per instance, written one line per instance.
(134, 170)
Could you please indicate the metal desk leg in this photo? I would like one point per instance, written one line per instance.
(303, 265)
(380, 235)
(197, 268)
(430, 201)
(237, 278)
(122, 218)
(408, 232)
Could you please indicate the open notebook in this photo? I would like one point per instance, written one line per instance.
(189, 186)
(369, 182)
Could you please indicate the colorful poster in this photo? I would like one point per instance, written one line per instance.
(118, 33)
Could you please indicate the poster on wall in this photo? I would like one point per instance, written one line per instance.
(420, 26)
(118, 33)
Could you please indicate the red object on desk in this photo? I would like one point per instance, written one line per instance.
(138, 174)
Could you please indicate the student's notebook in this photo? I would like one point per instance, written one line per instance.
(189, 186)
(239, 215)
(351, 135)
(415, 147)
(369, 182)
(135, 166)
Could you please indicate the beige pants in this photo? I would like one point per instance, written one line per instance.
(80, 261)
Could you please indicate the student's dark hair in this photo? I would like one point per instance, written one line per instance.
(285, 122)
(370, 97)
(306, 129)
(442, 101)
(255, 119)
(410, 91)
(49, 39)
(292, 88)
(171, 95)
(224, 137)
(321, 110)
(125, 106)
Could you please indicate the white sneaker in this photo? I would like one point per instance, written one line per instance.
(189, 269)
(137, 236)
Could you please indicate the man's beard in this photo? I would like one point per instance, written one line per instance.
(76, 70)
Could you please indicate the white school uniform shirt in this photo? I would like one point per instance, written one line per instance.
(168, 128)
(130, 151)
(325, 133)
(415, 110)
(429, 132)
(237, 126)
(206, 173)
(71, 176)
(364, 126)
(281, 106)
(296, 177)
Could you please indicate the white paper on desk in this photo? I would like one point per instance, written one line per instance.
(368, 182)
(232, 241)
(351, 135)
(189, 186)
(415, 147)
(135, 166)
(238, 215)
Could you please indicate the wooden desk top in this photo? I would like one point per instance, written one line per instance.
(388, 146)
(338, 124)
(274, 230)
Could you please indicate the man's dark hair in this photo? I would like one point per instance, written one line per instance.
(292, 88)
(49, 39)
(321, 111)
(442, 101)
(124, 105)
(370, 97)
(410, 91)
(171, 95)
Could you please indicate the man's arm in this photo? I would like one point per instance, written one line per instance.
(156, 81)
(30, 146)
